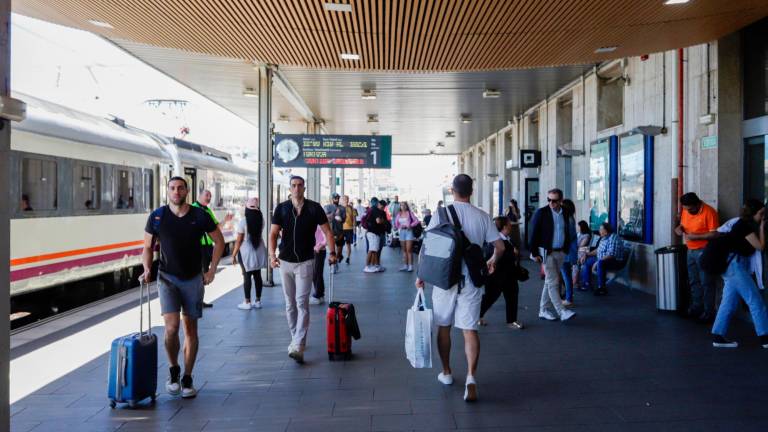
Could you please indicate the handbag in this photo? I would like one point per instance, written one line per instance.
(418, 333)
(521, 273)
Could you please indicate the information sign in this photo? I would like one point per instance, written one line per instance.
(333, 151)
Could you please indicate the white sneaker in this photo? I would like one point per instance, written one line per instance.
(316, 301)
(547, 315)
(188, 390)
(297, 355)
(445, 379)
(410, 269)
(403, 268)
(369, 269)
(244, 306)
(380, 269)
(566, 314)
(256, 304)
(470, 389)
(173, 388)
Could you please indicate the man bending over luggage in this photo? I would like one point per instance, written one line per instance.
(459, 305)
(178, 226)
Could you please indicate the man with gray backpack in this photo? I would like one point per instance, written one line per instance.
(452, 260)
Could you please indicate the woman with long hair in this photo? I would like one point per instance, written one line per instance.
(504, 279)
(745, 238)
(513, 214)
(405, 220)
(250, 252)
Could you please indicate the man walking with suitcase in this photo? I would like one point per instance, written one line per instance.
(459, 305)
(296, 221)
(178, 227)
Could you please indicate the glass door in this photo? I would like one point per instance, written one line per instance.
(755, 168)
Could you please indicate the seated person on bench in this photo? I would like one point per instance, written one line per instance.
(608, 256)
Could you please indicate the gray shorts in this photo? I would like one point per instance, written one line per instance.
(181, 295)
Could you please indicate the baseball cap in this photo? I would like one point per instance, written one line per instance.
(335, 195)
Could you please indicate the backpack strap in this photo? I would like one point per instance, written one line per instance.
(454, 216)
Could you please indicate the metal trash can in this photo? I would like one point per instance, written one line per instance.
(672, 278)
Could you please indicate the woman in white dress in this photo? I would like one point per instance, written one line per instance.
(251, 252)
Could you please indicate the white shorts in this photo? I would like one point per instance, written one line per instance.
(462, 310)
(373, 241)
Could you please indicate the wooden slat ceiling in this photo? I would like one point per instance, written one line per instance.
(407, 35)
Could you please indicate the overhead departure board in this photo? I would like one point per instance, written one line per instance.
(333, 151)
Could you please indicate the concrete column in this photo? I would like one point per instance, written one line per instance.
(332, 181)
(313, 174)
(343, 182)
(266, 151)
(5, 243)
(730, 146)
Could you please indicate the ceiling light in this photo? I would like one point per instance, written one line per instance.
(337, 7)
(373, 118)
(283, 118)
(450, 134)
(465, 118)
(250, 92)
(101, 24)
(368, 94)
(675, 2)
(491, 93)
(440, 144)
(607, 49)
(349, 56)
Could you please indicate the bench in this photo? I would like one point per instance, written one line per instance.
(623, 272)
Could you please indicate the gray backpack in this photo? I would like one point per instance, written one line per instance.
(441, 254)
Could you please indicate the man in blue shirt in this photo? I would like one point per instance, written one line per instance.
(608, 256)
(549, 240)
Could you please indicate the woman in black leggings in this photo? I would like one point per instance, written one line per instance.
(250, 252)
(503, 280)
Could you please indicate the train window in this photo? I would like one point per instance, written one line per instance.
(38, 184)
(218, 200)
(87, 186)
(124, 188)
(149, 190)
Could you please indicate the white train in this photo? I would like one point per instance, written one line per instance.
(82, 187)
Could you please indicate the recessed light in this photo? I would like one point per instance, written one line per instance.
(440, 144)
(676, 2)
(350, 56)
(465, 118)
(250, 92)
(101, 24)
(450, 134)
(368, 94)
(283, 118)
(606, 49)
(373, 118)
(491, 93)
(337, 7)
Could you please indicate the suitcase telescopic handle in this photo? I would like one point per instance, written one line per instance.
(330, 290)
(142, 286)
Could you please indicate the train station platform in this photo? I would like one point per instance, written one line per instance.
(618, 365)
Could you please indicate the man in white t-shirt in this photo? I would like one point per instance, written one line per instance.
(461, 307)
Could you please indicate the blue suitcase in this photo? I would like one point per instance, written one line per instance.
(133, 362)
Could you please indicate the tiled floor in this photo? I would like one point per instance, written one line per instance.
(617, 366)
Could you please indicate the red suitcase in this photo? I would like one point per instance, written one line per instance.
(341, 327)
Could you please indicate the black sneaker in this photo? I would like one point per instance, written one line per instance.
(187, 389)
(721, 342)
(207, 305)
(172, 385)
(347, 261)
(764, 341)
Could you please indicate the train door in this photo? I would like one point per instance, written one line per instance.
(190, 174)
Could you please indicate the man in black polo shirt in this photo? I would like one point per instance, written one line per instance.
(296, 220)
(179, 226)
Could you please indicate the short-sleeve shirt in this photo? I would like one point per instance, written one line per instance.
(373, 226)
(298, 231)
(335, 210)
(206, 240)
(349, 220)
(704, 221)
(475, 223)
(180, 248)
(739, 233)
(251, 257)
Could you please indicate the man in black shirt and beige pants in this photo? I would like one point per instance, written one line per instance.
(297, 220)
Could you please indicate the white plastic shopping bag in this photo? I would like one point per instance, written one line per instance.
(418, 333)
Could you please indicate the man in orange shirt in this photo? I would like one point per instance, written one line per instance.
(698, 224)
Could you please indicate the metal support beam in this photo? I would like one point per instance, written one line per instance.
(332, 178)
(313, 174)
(266, 152)
(5, 226)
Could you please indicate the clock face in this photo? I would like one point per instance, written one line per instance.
(287, 150)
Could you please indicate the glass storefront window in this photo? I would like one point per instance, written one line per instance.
(755, 68)
(631, 187)
(599, 183)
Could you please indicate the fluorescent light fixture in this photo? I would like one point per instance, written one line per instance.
(491, 93)
(250, 92)
(465, 118)
(337, 7)
(606, 49)
(101, 24)
(350, 56)
(283, 118)
(450, 134)
(373, 118)
(676, 2)
(368, 94)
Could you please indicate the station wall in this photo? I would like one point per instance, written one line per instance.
(648, 86)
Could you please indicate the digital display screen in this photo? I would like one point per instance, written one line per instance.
(333, 151)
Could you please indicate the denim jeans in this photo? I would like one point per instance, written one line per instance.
(701, 284)
(566, 272)
(603, 266)
(739, 284)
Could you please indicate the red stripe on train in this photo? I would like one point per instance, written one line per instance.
(31, 272)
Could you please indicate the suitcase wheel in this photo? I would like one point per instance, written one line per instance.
(330, 356)
(112, 404)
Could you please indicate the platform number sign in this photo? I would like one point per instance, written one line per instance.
(333, 151)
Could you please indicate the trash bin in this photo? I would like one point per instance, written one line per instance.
(672, 278)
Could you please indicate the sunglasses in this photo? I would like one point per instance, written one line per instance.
(553, 200)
